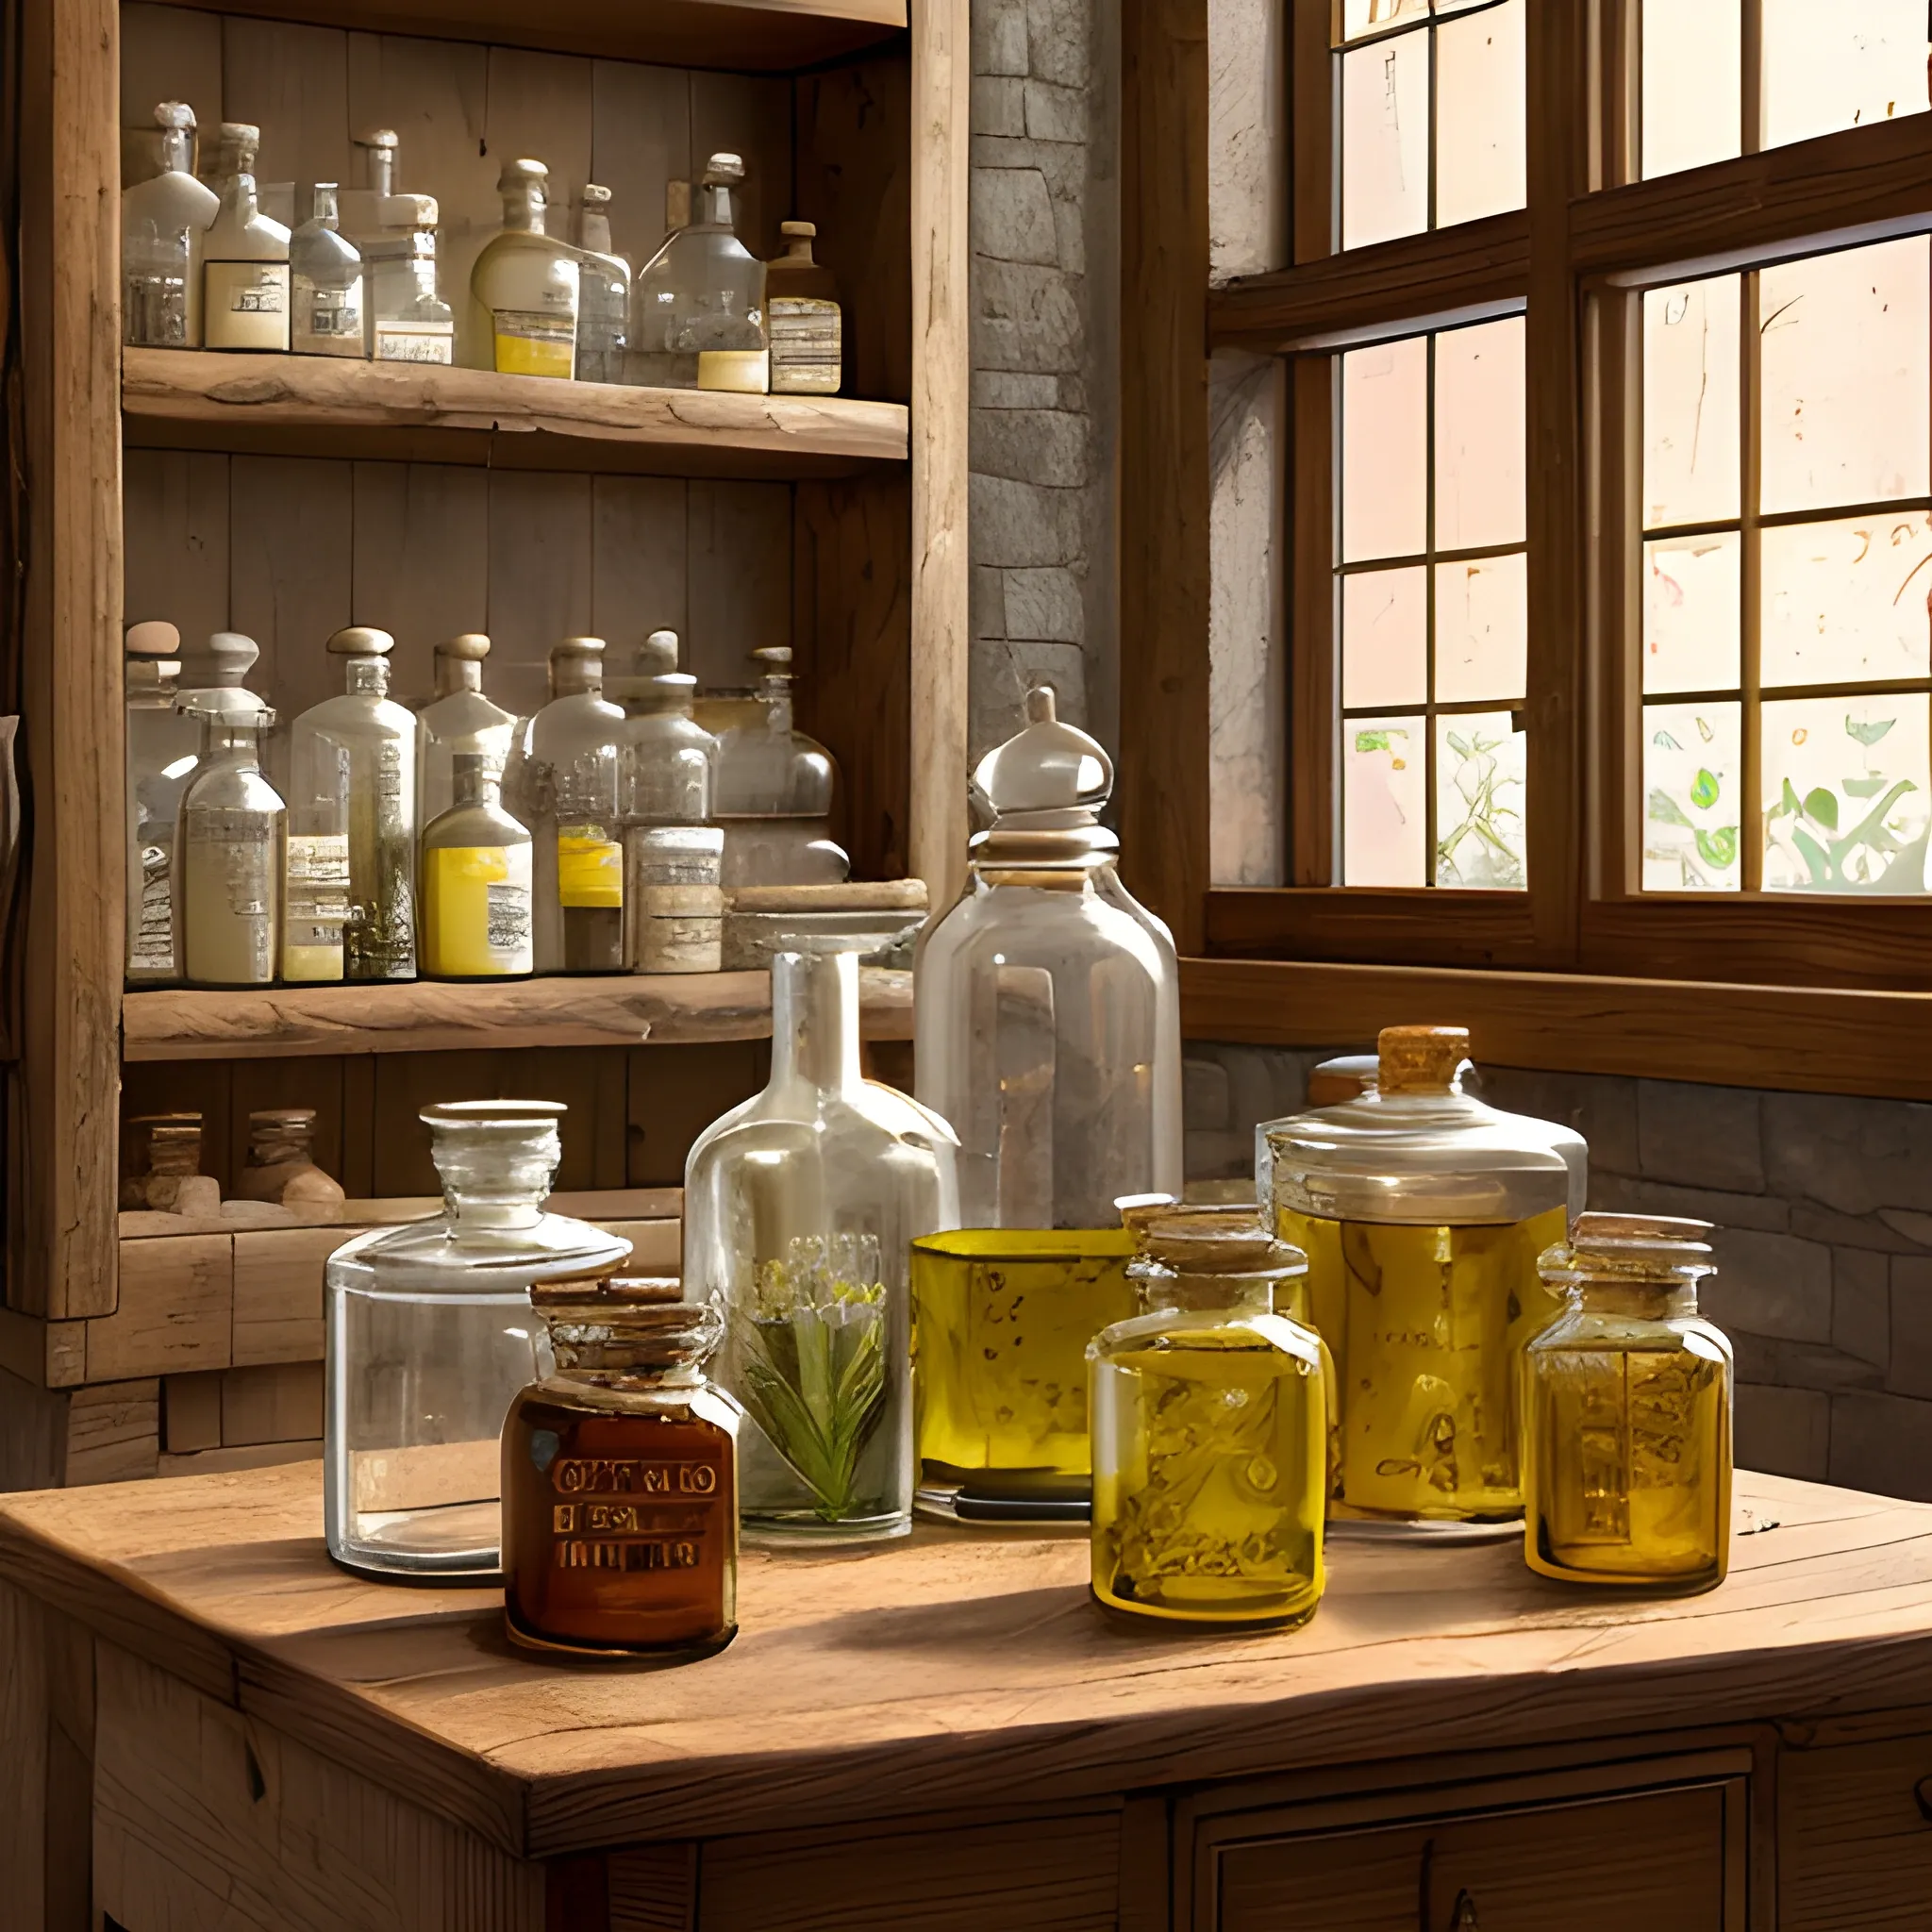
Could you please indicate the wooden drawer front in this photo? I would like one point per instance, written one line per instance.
(1854, 1848)
(1655, 1861)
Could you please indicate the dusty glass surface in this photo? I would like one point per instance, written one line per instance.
(1479, 436)
(1845, 792)
(1690, 611)
(1844, 63)
(1693, 790)
(1481, 764)
(1385, 471)
(1385, 636)
(1384, 801)
(1845, 600)
(1691, 441)
(1482, 628)
(1479, 114)
(1693, 83)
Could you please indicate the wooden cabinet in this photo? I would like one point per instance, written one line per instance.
(1855, 1835)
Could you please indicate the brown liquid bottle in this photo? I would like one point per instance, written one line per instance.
(620, 1480)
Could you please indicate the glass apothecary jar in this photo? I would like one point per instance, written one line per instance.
(1627, 1468)
(1423, 1211)
(620, 1484)
(1210, 1428)
(801, 1207)
(1048, 1033)
(771, 792)
(430, 1337)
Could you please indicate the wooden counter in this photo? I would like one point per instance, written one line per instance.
(948, 1733)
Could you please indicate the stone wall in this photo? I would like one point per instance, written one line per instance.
(1823, 1209)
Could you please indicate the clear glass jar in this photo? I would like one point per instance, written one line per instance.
(800, 1208)
(476, 875)
(803, 318)
(430, 1337)
(619, 1479)
(771, 793)
(325, 278)
(163, 221)
(158, 739)
(1422, 1212)
(1210, 1428)
(1048, 1033)
(408, 321)
(697, 306)
(457, 719)
(228, 856)
(1627, 1466)
(603, 293)
(245, 257)
(524, 288)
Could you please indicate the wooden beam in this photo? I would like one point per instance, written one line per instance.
(1447, 928)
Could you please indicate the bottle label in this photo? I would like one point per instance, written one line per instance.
(229, 920)
(532, 343)
(245, 304)
(806, 347)
(317, 906)
(152, 950)
(476, 911)
(748, 372)
(590, 867)
(415, 342)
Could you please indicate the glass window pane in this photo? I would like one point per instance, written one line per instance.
(1693, 83)
(1846, 601)
(1845, 795)
(1479, 114)
(1385, 647)
(1841, 64)
(1385, 405)
(1690, 451)
(1479, 436)
(1384, 139)
(1384, 801)
(1480, 766)
(1359, 17)
(1482, 629)
(1692, 612)
(1845, 398)
(1693, 781)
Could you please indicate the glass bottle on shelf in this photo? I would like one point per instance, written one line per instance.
(352, 826)
(475, 874)
(1423, 1212)
(408, 321)
(229, 851)
(1048, 1024)
(803, 318)
(800, 1208)
(1627, 1443)
(163, 223)
(524, 290)
(162, 744)
(326, 279)
(245, 257)
(365, 202)
(430, 1337)
(771, 792)
(1210, 1427)
(602, 294)
(593, 1560)
(697, 306)
(459, 718)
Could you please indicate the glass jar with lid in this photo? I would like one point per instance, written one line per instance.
(1627, 1459)
(430, 1337)
(1423, 1211)
(1048, 1024)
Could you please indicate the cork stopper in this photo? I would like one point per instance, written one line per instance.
(610, 1291)
(773, 658)
(1199, 1238)
(1591, 1229)
(655, 656)
(174, 114)
(802, 231)
(153, 639)
(577, 647)
(469, 647)
(596, 196)
(1420, 1060)
(721, 169)
(360, 641)
(521, 174)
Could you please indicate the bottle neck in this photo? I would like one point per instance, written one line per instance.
(597, 233)
(798, 253)
(714, 208)
(382, 169)
(815, 1019)
(232, 739)
(325, 209)
(457, 674)
(367, 674)
(1164, 1288)
(174, 151)
(574, 679)
(523, 211)
(477, 787)
(238, 198)
(778, 697)
(1653, 1301)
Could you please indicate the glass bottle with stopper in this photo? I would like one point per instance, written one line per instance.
(772, 792)
(229, 855)
(525, 288)
(602, 294)
(802, 317)
(620, 1491)
(1627, 1451)
(365, 202)
(162, 747)
(800, 1208)
(245, 257)
(697, 306)
(1048, 1024)
(352, 826)
(1423, 1212)
(475, 882)
(326, 315)
(457, 719)
(430, 1334)
(163, 223)
(1210, 1427)
(409, 321)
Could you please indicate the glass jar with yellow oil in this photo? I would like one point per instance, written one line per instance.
(1627, 1459)
(1423, 1212)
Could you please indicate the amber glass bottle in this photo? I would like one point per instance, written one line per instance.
(620, 1480)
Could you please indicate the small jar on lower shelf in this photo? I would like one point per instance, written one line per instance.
(1627, 1470)
(619, 1479)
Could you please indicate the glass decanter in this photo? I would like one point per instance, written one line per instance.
(430, 1337)
(800, 1208)
(1627, 1451)
(1423, 1212)
(229, 856)
(475, 883)
(245, 257)
(619, 1479)
(163, 221)
(602, 294)
(802, 317)
(352, 826)
(408, 321)
(771, 792)
(161, 747)
(1210, 1428)
(326, 315)
(1048, 1033)
(457, 719)
(524, 288)
(697, 306)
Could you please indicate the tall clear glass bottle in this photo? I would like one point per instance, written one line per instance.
(457, 719)
(162, 749)
(430, 1337)
(771, 794)
(602, 294)
(800, 1208)
(802, 316)
(697, 306)
(163, 222)
(525, 288)
(228, 849)
(352, 826)
(245, 257)
(326, 315)
(476, 876)
(409, 321)
(1048, 1024)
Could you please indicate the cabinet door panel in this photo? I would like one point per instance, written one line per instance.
(1854, 1846)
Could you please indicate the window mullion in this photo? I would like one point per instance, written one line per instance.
(1750, 712)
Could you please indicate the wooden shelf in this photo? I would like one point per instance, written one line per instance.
(425, 1016)
(744, 36)
(317, 406)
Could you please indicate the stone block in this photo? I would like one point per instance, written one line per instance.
(1769, 1284)
(1006, 389)
(998, 677)
(1203, 1096)
(986, 606)
(1026, 317)
(1909, 1365)
(1783, 1431)
(1254, 1092)
(1699, 1137)
(999, 37)
(1853, 1154)
(1882, 1444)
(1601, 1109)
(1056, 41)
(1050, 113)
(1062, 165)
(1032, 445)
(1044, 605)
(1019, 526)
(1013, 217)
(999, 105)
(1862, 1304)
(1217, 1156)
(1617, 1193)
(1908, 1222)
(1850, 1230)
(1070, 230)
(1806, 1365)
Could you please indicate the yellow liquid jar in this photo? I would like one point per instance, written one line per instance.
(1628, 1465)
(1210, 1424)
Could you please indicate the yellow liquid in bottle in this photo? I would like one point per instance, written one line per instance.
(1210, 1459)
(1427, 1326)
